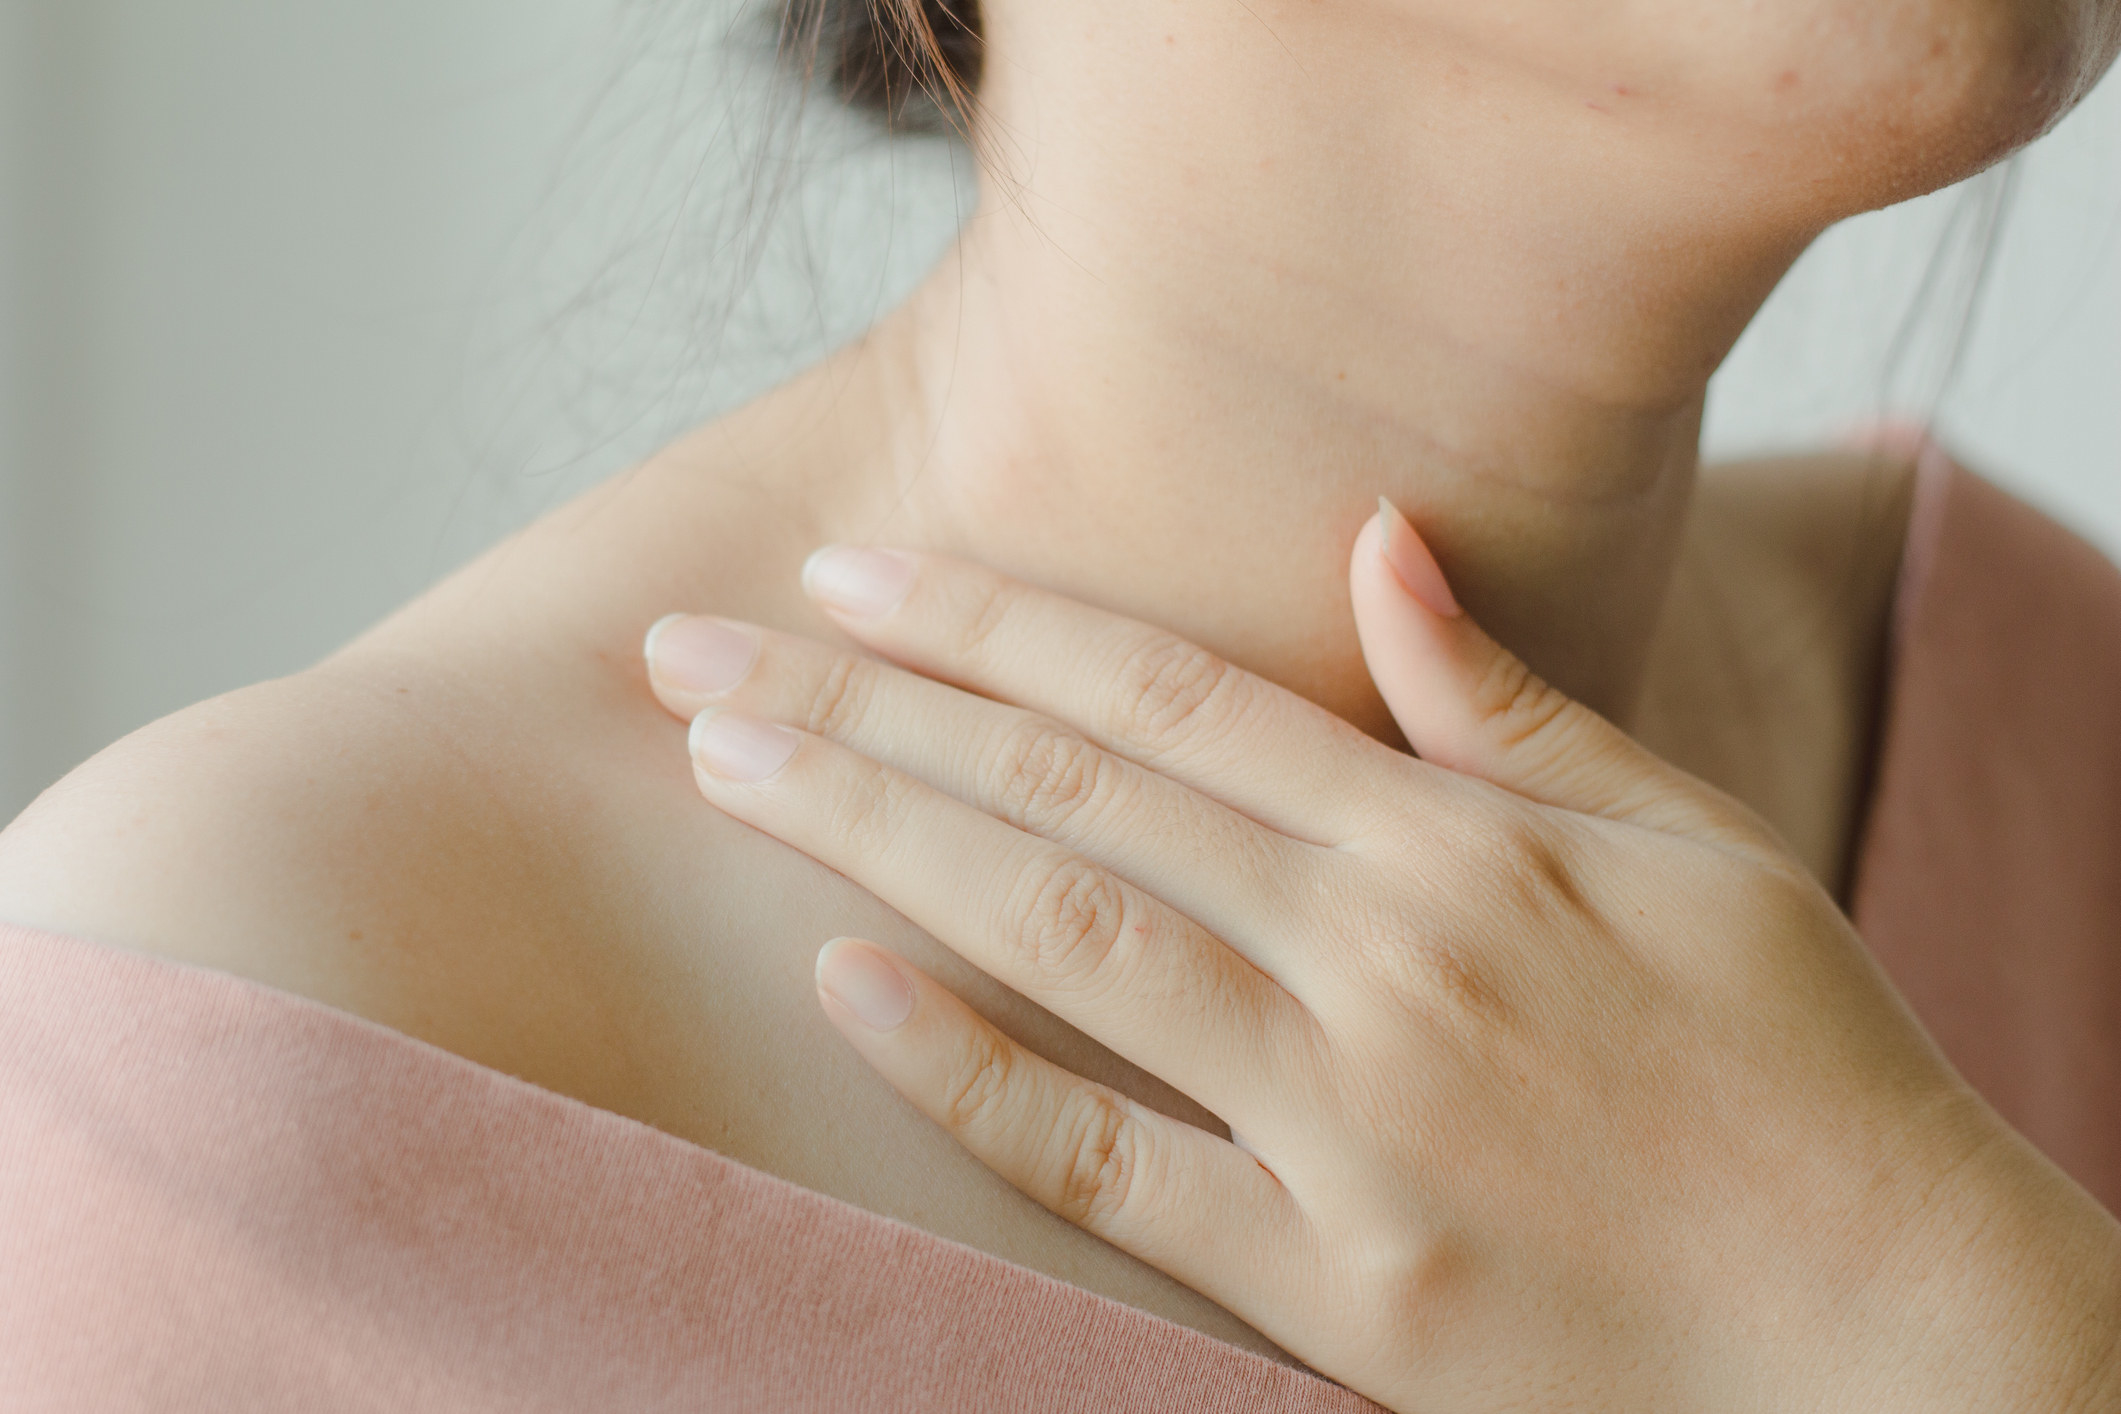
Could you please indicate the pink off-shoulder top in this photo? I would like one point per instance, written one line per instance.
(217, 1197)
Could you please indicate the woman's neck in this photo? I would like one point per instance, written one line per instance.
(1189, 340)
(1213, 481)
(1242, 267)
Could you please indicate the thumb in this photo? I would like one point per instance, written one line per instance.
(1470, 705)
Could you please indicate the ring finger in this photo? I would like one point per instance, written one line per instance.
(1098, 952)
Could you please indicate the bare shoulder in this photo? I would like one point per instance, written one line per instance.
(192, 835)
(337, 834)
(1768, 666)
(521, 871)
(474, 826)
(201, 830)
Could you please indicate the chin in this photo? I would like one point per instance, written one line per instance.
(1952, 86)
(1863, 102)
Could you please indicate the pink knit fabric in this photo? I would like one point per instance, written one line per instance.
(1989, 883)
(217, 1197)
(214, 1197)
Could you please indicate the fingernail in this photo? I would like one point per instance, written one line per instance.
(860, 978)
(1411, 562)
(865, 583)
(741, 749)
(700, 655)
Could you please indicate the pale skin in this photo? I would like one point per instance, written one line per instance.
(1241, 269)
(1560, 1083)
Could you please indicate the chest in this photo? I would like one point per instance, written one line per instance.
(680, 992)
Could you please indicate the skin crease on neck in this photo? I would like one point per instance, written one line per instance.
(1240, 268)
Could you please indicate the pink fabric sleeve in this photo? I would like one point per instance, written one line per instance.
(1989, 884)
(217, 1197)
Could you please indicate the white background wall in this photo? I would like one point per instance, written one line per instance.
(303, 302)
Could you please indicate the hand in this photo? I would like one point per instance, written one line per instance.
(1554, 1082)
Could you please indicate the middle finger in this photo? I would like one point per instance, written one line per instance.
(1226, 871)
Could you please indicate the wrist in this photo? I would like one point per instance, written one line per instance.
(2003, 1292)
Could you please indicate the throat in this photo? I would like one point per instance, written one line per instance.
(1214, 485)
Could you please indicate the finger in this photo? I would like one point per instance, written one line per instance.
(1220, 868)
(1091, 948)
(1468, 704)
(1175, 1196)
(1135, 690)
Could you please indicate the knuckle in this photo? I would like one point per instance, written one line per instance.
(841, 697)
(1450, 978)
(979, 1084)
(1523, 868)
(1514, 705)
(1464, 967)
(988, 605)
(1045, 774)
(866, 813)
(1100, 1161)
(1170, 687)
(1414, 1279)
(1433, 975)
(1073, 921)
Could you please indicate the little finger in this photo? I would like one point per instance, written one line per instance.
(1180, 1199)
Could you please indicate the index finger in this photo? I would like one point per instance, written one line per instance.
(1134, 689)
